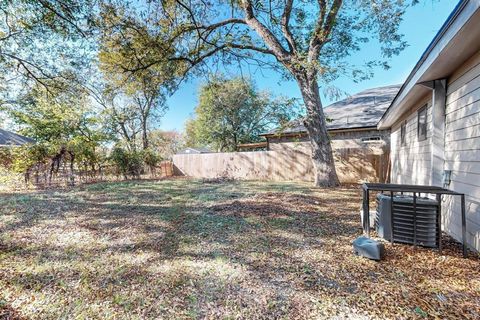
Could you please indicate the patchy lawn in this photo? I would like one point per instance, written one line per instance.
(188, 249)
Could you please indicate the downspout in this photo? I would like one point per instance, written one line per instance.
(437, 155)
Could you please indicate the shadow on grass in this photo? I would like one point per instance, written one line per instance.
(192, 249)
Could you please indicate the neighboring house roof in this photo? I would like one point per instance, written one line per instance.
(455, 42)
(362, 110)
(195, 150)
(8, 138)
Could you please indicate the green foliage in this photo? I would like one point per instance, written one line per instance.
(150, 42)
(232, 111)
(53, 119)
(172, 37)
(5, 157)
(26, 156)
(128, 163)
(143, 92)
(150, 157)
(166, 143)
(65, 88)
(63, 126)
(10, 180)
(40, 40)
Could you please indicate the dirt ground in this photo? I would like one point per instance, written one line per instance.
(187, 249)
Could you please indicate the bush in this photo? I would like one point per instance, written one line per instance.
(128, 163)
(24, 157)
(151, 158)
(5, 157)
(10, 180)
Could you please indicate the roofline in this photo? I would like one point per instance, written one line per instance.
(332, 105)
(374, 127)
(451, 18)
(253, 145)
(16, 144)
(353, 129)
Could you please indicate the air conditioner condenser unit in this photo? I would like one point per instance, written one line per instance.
(412, 224)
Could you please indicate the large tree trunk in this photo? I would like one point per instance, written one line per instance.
(322, 157)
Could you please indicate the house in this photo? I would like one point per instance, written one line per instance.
(435, 120)
(198, 150)
(360, 148)
(254, 146)
(10, 139)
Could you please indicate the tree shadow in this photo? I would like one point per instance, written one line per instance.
(212, 249)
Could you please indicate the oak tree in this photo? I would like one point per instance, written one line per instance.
(308, 41)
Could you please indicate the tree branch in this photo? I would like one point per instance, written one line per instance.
(285, 26)
(268, 37)
(47, 6)
(250, 47)
(26, 65)
(323, 28)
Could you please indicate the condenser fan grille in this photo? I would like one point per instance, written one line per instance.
(412, 223)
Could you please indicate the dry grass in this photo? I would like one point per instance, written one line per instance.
(190, 249)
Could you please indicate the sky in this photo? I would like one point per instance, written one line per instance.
(419, 26)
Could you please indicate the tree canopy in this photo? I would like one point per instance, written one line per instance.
(42, 39)
(232, 111)
(141, 51)
(308, 41)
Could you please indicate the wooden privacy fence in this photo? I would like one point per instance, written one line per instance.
(353, 165)
(166, 168)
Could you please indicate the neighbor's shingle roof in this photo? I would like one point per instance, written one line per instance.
(361, 110)
(8, 138)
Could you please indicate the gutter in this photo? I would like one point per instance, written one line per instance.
(299, 133)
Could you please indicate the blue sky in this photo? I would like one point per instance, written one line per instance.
(420, 25)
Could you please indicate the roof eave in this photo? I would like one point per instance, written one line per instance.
(284, 134)
(439, 49)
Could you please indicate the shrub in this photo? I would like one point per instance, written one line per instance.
(10, 180)
(5, 157)
(151, 158)
(128, 163)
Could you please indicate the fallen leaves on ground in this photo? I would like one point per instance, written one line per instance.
(182, 249)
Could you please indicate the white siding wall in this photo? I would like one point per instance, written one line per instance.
(411, 163)
(462, 149)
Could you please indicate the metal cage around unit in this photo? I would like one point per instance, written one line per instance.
(415, 210)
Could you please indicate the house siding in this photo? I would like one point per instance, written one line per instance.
(300, 143)
(339, 140)
(462, 149)
(355, 160)
(412, 162)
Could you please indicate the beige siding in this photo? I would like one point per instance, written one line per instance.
(300, 144)
(340, 140)
(462, 149)
(355, 159)
(411, 163)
